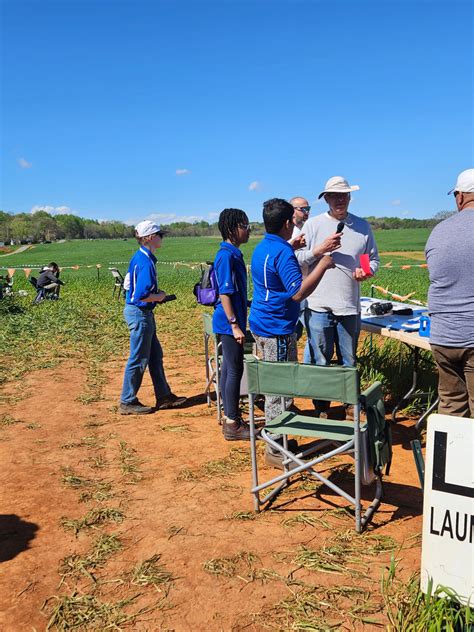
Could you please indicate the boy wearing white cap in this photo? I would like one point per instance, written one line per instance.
(332, 316)
(449, 254)
(145, 349)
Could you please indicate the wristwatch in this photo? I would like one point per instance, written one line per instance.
(232, 320)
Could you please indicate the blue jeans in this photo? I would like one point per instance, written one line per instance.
(326, 331)
(145, 351)
(231, 375)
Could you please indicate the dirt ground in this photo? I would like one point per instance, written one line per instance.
(181, 492)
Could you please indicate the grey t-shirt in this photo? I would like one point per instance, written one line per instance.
(450, 257)
(337, 291)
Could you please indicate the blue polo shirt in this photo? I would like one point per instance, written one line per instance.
(231, 275)
(142, 278)
(276, 277)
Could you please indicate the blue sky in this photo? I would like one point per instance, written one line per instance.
(126, 110)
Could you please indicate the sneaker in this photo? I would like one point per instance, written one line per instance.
(235, 431)
(135, 409)
(275, 459)
(170, 401)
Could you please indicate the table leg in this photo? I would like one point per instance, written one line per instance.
(412, 393)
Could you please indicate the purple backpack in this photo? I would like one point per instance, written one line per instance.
(206, 290)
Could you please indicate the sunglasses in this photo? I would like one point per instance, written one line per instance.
(303, 209)
(245, 226)
(455, 193)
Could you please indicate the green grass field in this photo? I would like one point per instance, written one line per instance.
(87, 323)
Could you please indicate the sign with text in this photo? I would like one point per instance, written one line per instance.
(448, 507)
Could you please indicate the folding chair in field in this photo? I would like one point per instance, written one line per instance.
(118, 283)
(213, 359)
(369, 442)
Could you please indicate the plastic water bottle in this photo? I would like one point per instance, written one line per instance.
(425, 326)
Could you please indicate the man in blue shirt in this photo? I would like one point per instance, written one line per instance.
(279, 288)
(145, 349)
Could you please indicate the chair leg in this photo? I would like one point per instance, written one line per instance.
(253, 454)
(218, 389)
(357, 468)
(372, 508)
(208, 382)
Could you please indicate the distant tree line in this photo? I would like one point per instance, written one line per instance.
(41, 226)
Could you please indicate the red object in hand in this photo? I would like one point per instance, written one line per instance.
(365, 264)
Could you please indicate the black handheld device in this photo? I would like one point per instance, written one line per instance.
(168, 298)
(340, 227)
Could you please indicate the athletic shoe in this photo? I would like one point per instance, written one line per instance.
(135, 409)
(275, 458)
(170, 401)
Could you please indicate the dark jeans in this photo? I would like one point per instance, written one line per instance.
(231, 375)
(456, 380)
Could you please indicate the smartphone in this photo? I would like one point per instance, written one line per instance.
(169, 297)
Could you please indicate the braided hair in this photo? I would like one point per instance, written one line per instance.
(229, 221)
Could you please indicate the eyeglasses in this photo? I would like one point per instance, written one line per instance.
(303, 209)
(245, 226)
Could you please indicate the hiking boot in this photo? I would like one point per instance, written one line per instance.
(235, 430)
(170, 401)
(135, 409)
(275, 458)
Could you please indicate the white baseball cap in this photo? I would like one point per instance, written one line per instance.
(465, 182)
(147, 227)
(338, 184)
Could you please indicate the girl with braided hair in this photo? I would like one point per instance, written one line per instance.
(230, 316)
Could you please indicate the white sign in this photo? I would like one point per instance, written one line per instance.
(448, 508)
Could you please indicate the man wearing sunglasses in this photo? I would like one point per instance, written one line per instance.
(449, 254)
(301, 214)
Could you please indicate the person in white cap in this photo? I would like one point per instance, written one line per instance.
(332, 315)
(145, 349)
(449, 254)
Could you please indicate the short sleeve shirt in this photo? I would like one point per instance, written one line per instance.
(276, 277)
(231, 275)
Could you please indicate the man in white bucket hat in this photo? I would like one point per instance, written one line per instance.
(449, 254)
(332, 315)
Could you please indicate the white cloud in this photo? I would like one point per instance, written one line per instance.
(213, 215)
(183, 172)
(52, 210)
(254, 186)
(24, 164)
(396, 202)
(167, 218)
(405, 213)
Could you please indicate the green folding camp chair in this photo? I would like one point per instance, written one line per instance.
(368, 443)
(212, 353)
